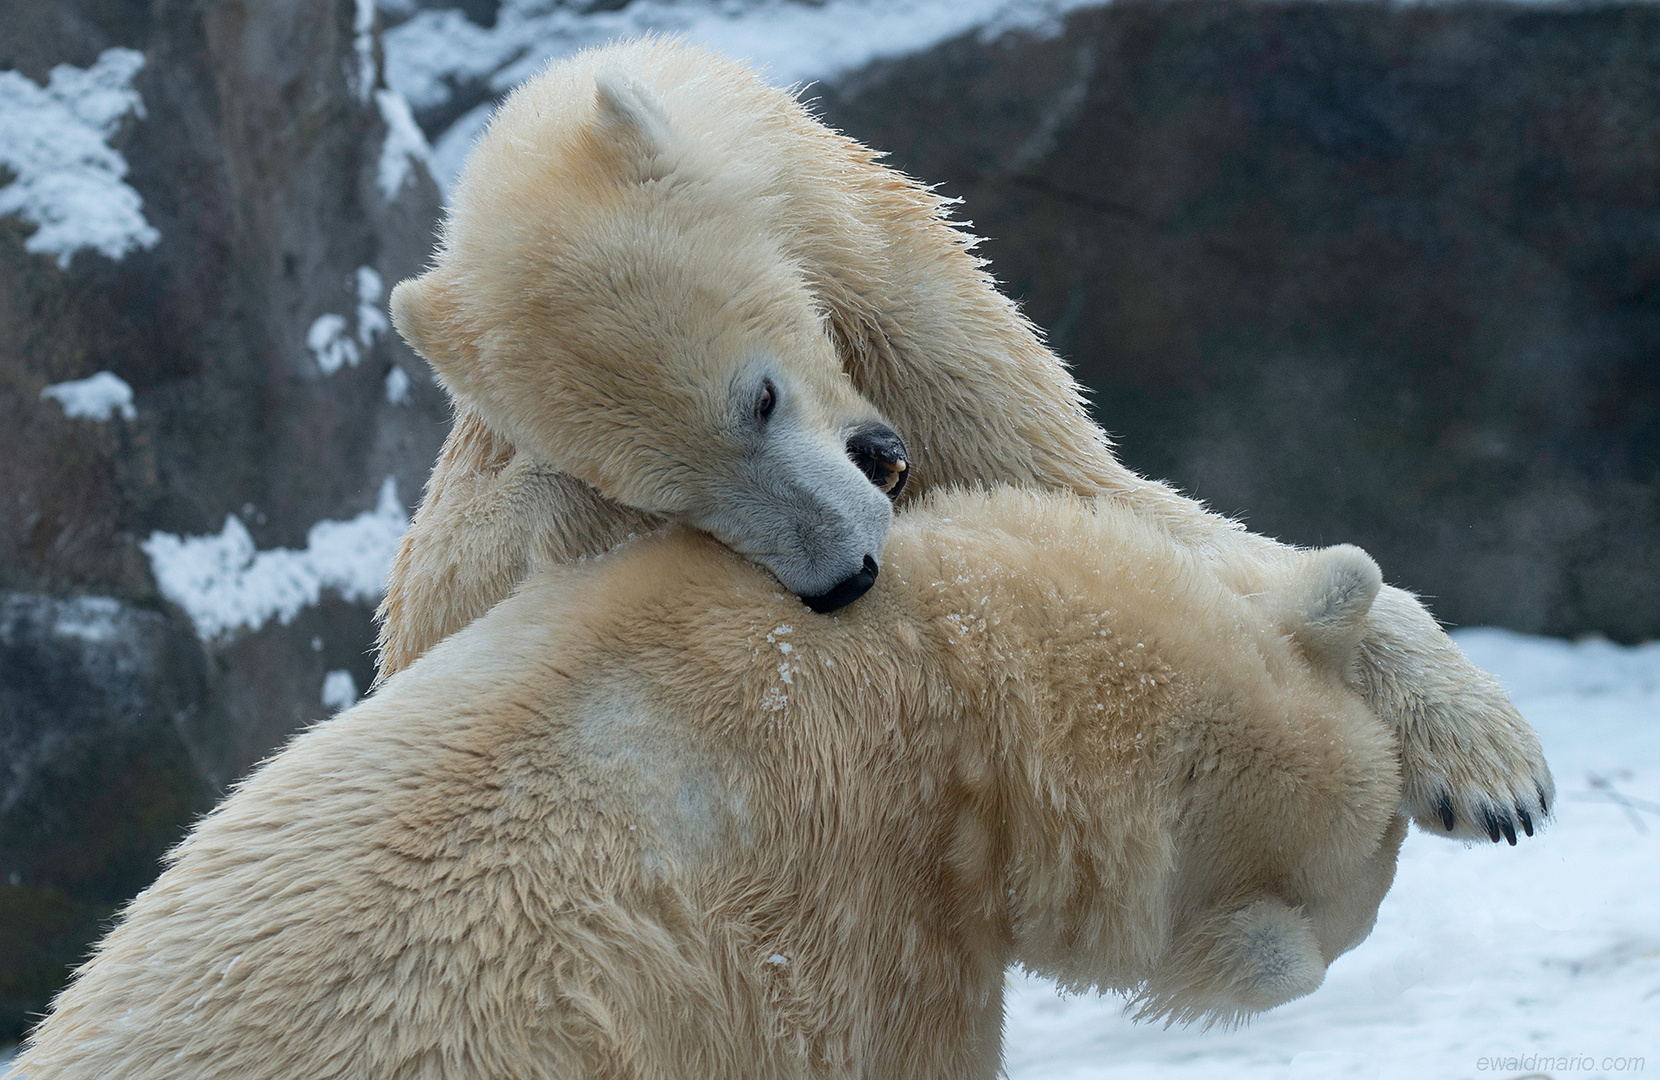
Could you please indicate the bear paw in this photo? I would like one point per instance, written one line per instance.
(1471, 767)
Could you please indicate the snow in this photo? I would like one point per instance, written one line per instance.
(371, 320)
(794, 42)
(95, 398)
(330, 339)
(363, 44)
(1488, 960)
(404, 145)
(339, 690)
(67, 178)
(88, 618)
(225, 585)
(397, 386)
(331, 344)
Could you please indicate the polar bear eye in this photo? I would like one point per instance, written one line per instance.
(764, 404)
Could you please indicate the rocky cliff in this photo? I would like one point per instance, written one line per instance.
(202, 361)
(1387, 275)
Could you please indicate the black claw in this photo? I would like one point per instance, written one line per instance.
(1525, 818)
(1544, 807)
(1444, 808)
(1509, 828)
(1490, 822)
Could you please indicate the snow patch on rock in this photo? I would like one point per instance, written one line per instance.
(331, 343)
(330, 338)
(54, 140)
(397, 386)
(363, 44)
(405, 145)
(225, 585)
(795, 42)
(371, 320)
(339, 690)
(91, 619)
(97, 397)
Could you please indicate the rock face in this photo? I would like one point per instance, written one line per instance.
(257, 153)
(1387, 275)
(103, 706)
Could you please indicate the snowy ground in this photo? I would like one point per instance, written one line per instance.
(1530, 955)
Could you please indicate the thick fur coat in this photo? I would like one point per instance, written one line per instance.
(649, 818)
(638, 225)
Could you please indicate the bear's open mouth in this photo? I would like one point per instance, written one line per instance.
(845, 591)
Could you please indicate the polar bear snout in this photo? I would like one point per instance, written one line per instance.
(801, 507)
(845, 591)
(880, 454)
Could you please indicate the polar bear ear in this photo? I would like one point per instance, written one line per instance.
(1267, 955)
(1233, 963)
(425, 315)
(1328, 606)
(631, 124)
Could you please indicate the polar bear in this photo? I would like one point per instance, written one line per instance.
(658, 355)
(655, 180)
(648, 817)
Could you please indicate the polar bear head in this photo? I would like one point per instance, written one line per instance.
(1286, 856)
(610, 302)
(1254, 843)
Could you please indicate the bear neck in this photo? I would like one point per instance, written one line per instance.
(1050, 696)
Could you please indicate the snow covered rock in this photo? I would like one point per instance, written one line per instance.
(1378, 274)
(184, 190)
(67, 180)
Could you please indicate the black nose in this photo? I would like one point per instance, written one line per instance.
(880, 454)
(845, 591)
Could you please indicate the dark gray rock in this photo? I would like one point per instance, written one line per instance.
(1380, 274)
(106, 730)
(257, 160)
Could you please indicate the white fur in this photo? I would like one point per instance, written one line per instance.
(614, 829)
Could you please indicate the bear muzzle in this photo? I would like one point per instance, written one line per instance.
(845, 591)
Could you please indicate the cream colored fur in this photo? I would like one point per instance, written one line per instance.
(649, 818)
(631, 333)
(907, 312)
